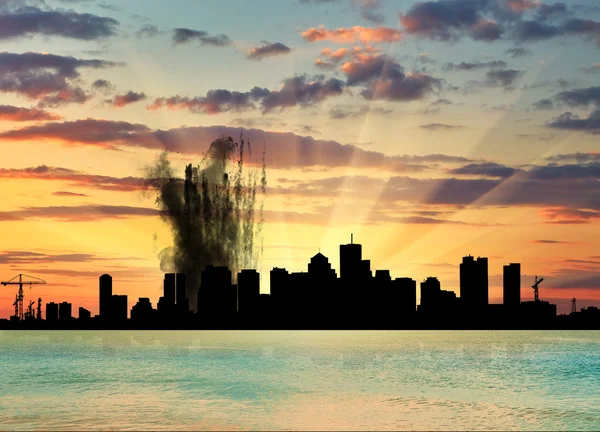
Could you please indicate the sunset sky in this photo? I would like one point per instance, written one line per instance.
(430, 130)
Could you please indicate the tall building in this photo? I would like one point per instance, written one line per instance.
(248, 291)
(119, 307)
(218, 295)
(105, 296)
(51, 311)
(183, 303)
(169, 288)
(350, 259)
(430, 291)
(64, 311)
(474, 283)
(279, 280)
(404, 297)
(512, 285)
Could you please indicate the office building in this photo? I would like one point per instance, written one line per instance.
(65, 311)
(248, 291)
(105, 296)
(512, 285)
(52, 311)
(474, 284)
(119, 308)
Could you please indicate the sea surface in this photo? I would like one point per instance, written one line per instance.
(300, 380)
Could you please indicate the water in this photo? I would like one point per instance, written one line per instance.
(274, 380)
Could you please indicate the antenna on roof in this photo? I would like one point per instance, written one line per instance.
(351, 238)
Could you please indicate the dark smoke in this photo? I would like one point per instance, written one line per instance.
(210, 211)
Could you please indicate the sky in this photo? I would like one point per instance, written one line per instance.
(430, 130)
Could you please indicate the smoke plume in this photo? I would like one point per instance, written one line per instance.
(211, 211)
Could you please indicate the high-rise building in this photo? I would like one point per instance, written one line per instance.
(84, 314)
(217, 292)
(105, 296)
(169, 288)
(51, 311)
(279, 291)
(512, 285)
(64, 311)
(404, 297)
(119, 307)
(183, 303)
(430, 291)
(474, 283)
(248, 291)
(350, 259)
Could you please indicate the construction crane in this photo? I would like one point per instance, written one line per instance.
(573, 305)
(535, 287)
(19, 299)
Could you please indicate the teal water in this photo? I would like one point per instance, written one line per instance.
(300, 380)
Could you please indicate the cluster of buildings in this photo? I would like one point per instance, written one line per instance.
(318, 298)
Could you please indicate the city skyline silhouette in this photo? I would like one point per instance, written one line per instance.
(318, 299)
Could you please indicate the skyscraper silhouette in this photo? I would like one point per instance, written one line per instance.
(511, 286)
(248, 292)
(143, 311)
(169, 289)
(119, 308)
(64, 311)
(474, 284)
(183, 303)
(105, 296)
(350, 259)
(51, 311)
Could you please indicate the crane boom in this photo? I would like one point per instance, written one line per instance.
(535, 287)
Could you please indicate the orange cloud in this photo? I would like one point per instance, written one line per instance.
(352, 35)
(522, 5)
(12, 113)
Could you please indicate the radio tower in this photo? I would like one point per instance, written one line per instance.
(573, 305)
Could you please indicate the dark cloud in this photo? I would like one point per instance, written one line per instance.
(579, 97)
(518, 52)
(183, 35)
(487, 31)
(543, 104)
(440, 127)
(495, 108)
(268, 50)
(13, 113)
(505, 78)
(82, 213)
(528, 31)
(369, 11)
(24, 21)
(384, 78)
(68, 194)
(101, 84)
(46, 77)
(490, 20)
(575, 157)
(549, 242)
(570, 121)
(73, 178)
(467, 66)
(127, 99)
(282, 150)
(295, 91)
(551, 11)
(487, 169)
(28, 257)
(147, 31)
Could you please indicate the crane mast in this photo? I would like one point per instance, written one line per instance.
(535, 287)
